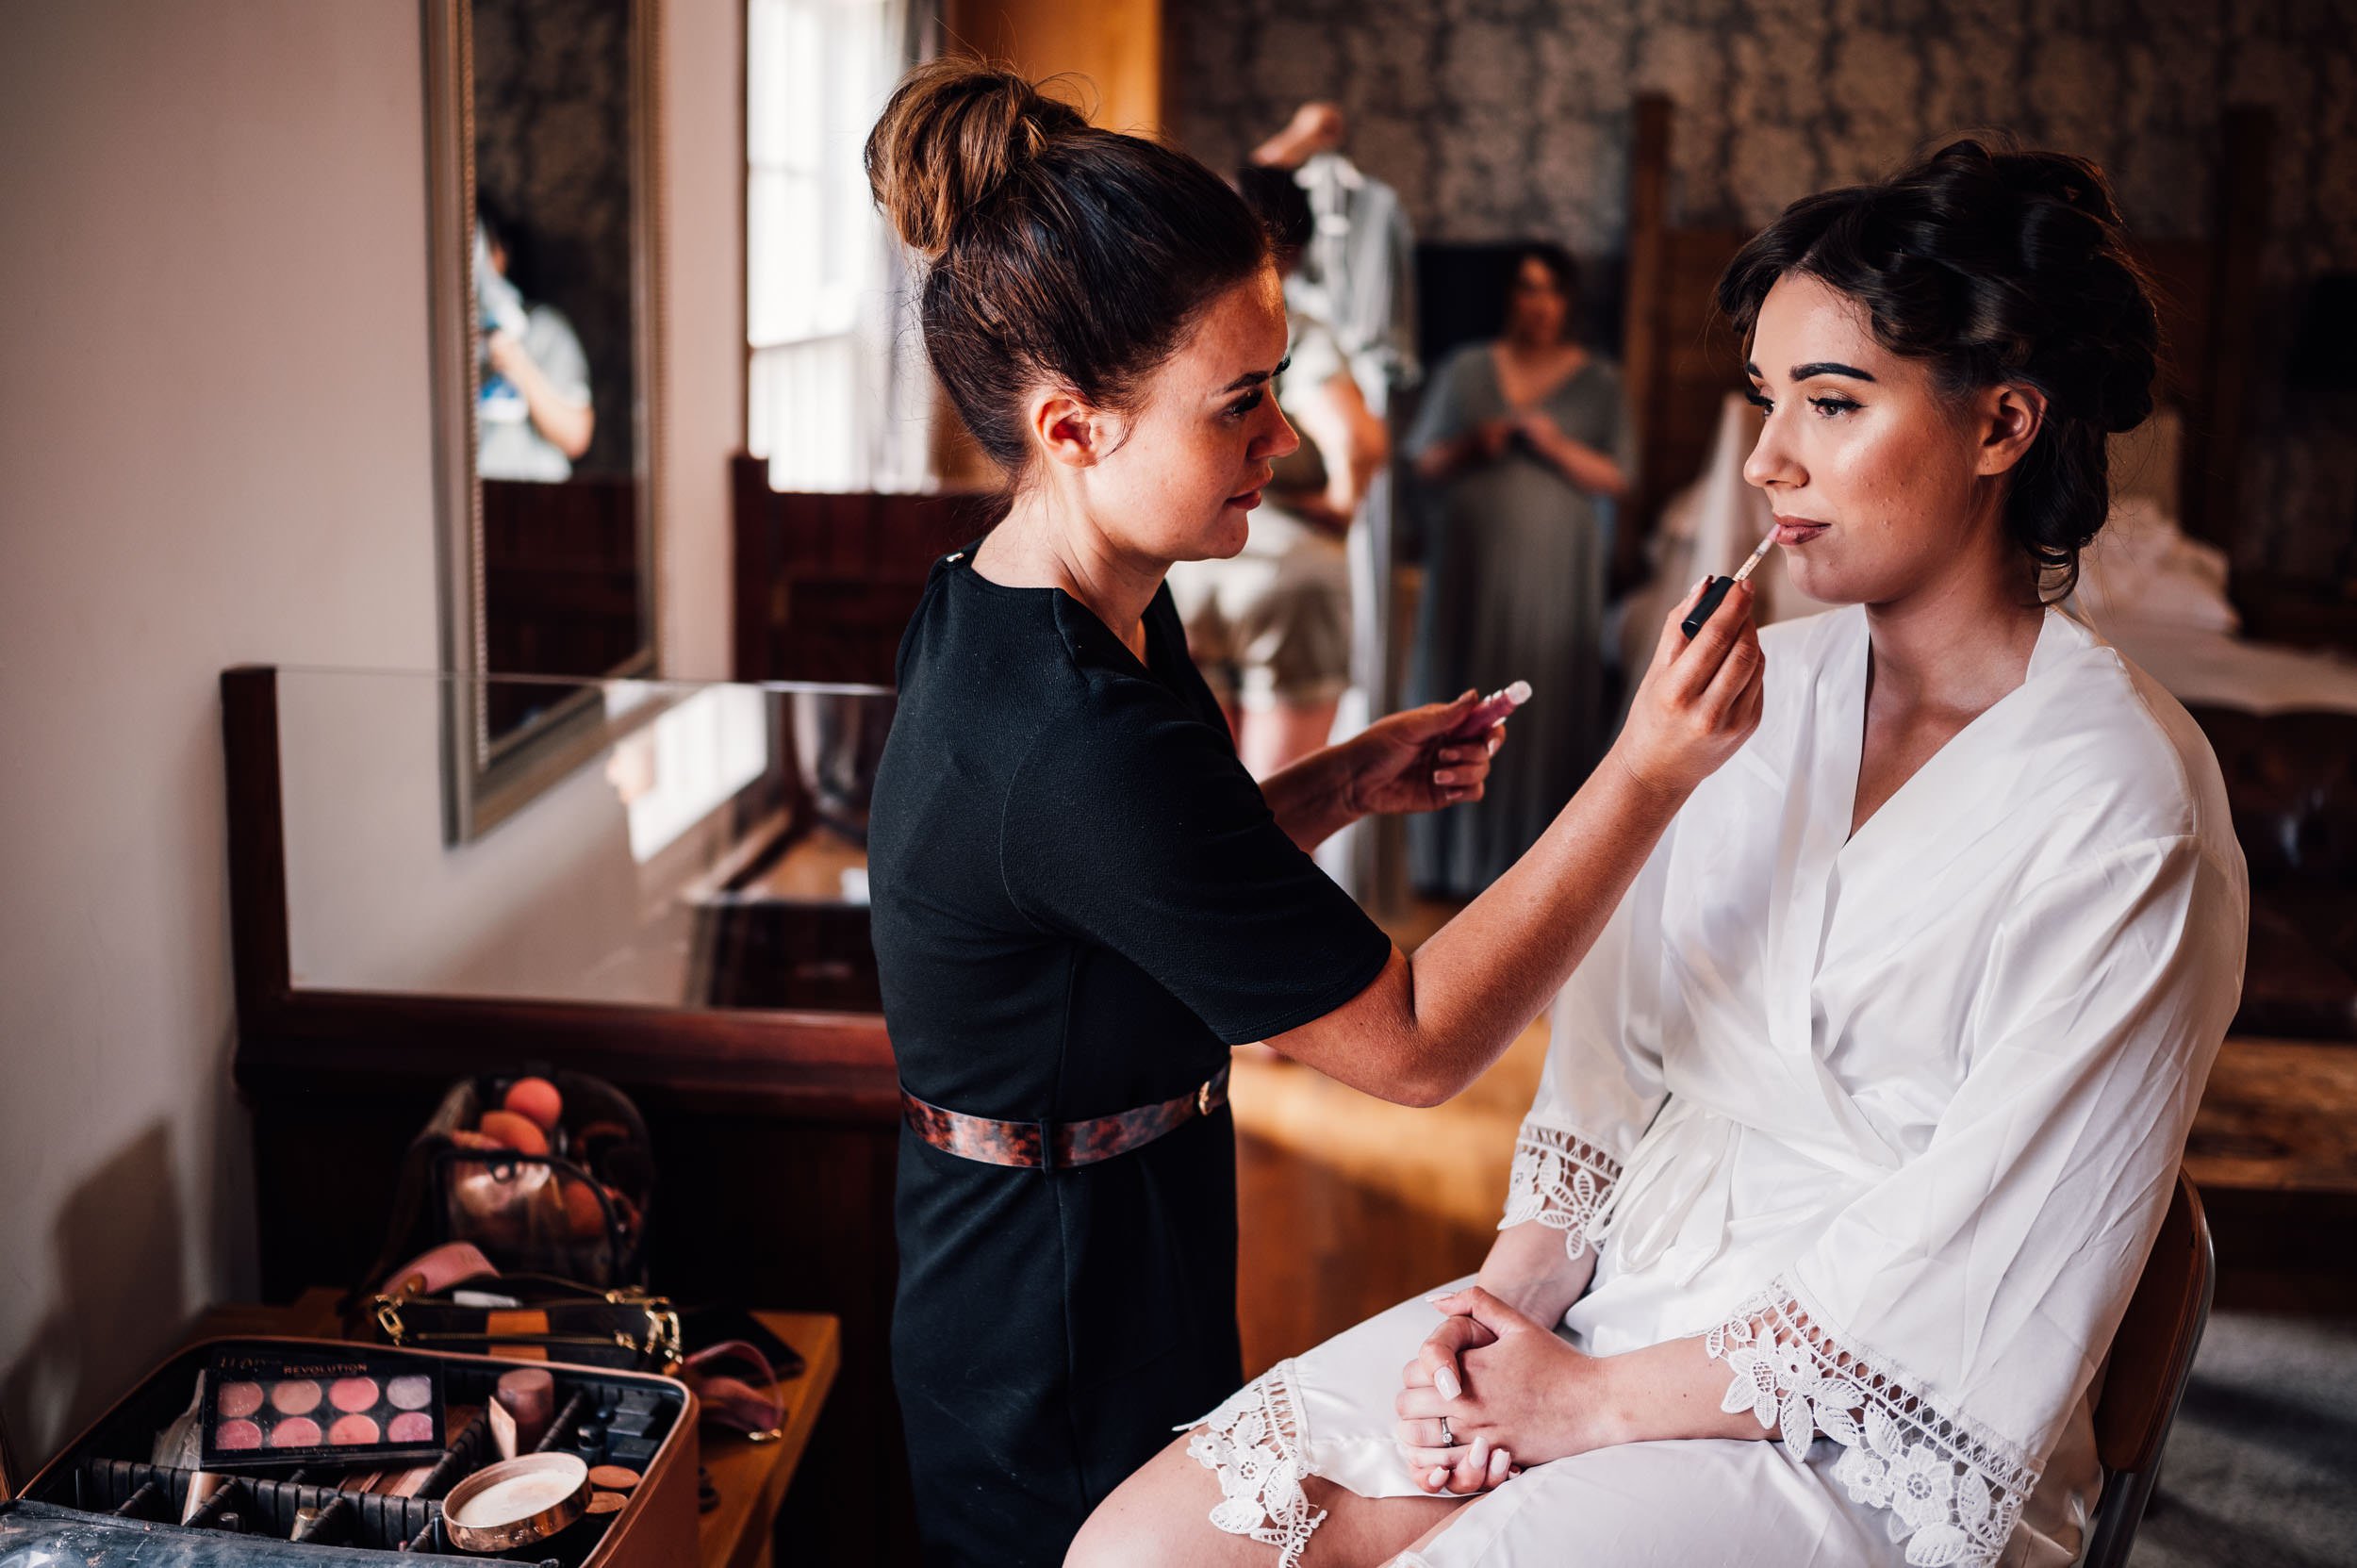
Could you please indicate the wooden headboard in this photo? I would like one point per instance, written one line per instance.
(1681, 359)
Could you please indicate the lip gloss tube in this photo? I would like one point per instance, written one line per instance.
(1715, 592)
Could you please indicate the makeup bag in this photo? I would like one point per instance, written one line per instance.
(453, 1299)
(578, 1211)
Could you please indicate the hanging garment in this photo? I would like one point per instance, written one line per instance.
(1358, 275)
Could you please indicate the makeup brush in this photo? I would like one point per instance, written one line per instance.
(1717, 590)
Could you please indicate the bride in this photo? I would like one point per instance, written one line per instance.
(1859, 1120)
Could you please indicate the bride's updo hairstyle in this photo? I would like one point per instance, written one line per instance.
(1997, 267)
(1059, 254)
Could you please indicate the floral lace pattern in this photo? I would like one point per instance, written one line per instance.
(1253, 1445)
(1953, 1493)
(1560, 1180)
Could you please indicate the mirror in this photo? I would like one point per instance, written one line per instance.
(541, 120)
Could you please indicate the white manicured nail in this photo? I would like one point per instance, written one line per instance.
(1445, 1380)
(1501, 1464)
(1438, 1480)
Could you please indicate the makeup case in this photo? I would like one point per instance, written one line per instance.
(105, 1502)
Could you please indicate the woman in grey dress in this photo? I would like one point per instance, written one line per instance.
(1521, 439)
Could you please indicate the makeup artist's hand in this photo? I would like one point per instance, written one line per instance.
(1699, 700)
(1412, 762)
(1523, 1392)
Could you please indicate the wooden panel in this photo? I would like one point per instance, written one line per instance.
(561, 590)
(1110, 52)
(825, 583)
(2239, 221)
(1641, 337)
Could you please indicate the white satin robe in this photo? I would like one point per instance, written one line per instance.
(1893, 1119)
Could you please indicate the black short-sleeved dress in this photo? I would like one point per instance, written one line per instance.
(1080, 902)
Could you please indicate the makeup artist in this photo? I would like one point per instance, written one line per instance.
(1081, 900)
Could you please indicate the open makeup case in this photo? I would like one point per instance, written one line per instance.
(285, 1451)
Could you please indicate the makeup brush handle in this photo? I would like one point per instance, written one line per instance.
(561, 1429)
(1707, 605)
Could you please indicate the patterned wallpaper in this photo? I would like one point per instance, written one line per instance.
(1498, 119)
(552, 109)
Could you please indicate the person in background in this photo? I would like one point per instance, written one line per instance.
(534, 417)
(1522, 437)
(1270, 627)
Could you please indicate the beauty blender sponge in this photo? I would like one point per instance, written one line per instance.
(520, 1133)
(585, 1216)
(538, 1099)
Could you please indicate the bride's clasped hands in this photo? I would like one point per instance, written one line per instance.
(1511, 1393)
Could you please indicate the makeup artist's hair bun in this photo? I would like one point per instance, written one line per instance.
(1059, 253)
(1998, 266)
(954, 132)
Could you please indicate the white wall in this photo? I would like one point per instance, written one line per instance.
(704, 161)
(214, 449)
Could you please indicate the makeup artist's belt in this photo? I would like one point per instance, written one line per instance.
(1056, 1145)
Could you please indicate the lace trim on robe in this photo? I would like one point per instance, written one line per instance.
(1253, 1445)
(1954, 1493)
(1561, 1180)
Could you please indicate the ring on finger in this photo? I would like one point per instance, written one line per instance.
(1448, 1439)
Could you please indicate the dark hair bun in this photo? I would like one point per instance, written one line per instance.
(1060, 254)
(1998, 266)
(2086, 328)
(954, 132)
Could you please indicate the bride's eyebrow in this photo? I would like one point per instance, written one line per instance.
(1815, 367)
(1828, 367)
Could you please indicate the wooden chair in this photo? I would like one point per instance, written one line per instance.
(2151, 1360)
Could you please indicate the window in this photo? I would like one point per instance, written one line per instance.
(838, 396)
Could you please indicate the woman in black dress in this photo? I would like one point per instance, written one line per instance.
(1081, 900)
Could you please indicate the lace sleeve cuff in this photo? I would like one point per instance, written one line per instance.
(1954, 1493)
(1560, 1180)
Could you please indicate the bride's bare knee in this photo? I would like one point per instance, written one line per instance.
(1157, 1518)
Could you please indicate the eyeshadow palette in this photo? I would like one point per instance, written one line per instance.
(298, 1410)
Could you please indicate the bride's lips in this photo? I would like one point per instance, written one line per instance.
(1797, 530)
(1246, 500)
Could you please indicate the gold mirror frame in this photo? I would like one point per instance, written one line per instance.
(488, 779)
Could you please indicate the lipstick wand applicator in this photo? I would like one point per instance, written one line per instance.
(1717, 590)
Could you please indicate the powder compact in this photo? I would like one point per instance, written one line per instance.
(517, 1502)
(298, 1410)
